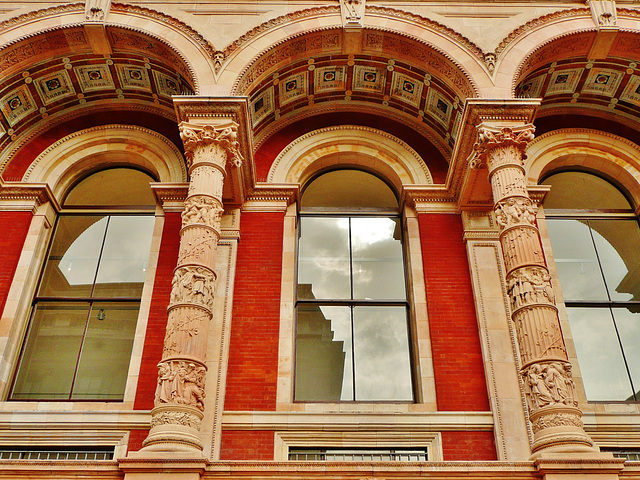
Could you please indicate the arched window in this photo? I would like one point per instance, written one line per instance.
(352, 335)
(596, 245)
(84, 314)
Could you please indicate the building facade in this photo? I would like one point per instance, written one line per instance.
(299, 240)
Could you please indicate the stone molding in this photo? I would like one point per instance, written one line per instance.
(25, 197)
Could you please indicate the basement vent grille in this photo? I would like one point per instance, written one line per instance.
(46, 453)
(357, 455)
(631, 454)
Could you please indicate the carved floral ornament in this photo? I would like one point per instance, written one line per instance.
(208, 143)
(502, 144)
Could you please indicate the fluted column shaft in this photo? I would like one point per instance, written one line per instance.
(179, 399)
(545, 369)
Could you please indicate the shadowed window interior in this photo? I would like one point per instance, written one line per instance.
(84, 315)
(352, 336)
(596, 245)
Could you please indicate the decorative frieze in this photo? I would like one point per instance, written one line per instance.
(193, 285)
(528, 286)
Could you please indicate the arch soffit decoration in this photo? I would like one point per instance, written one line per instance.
(456, 49)
(193, 49)
(549, 38)
(581, 148)
(72, 157)
(349, 145)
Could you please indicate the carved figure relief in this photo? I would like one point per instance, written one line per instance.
(530, 285)
(193, 285)
(549, 384)
(181, 383)
(202, 210)
(515, 211)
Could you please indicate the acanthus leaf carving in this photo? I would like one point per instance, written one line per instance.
(175, 418)
(549, 384)
(501, 144)
(559, 419)
(208, 143)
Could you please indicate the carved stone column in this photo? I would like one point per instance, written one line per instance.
(179, 399)
(545, 370)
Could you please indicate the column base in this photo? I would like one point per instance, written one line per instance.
(559, 429)
(175, 429)
(578, 466)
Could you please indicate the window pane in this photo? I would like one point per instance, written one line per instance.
(576, 260)
(323, 264)
(51, 353)
(618, 245)
(580, 190)
(115, 186)
(628, 323)
(378, 269)
(381, 345)
(123, 263)
(323, 354)
(104, 361)
(71, 266)
(601, 363)
(348, 190)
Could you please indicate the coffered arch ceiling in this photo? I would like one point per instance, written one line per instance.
(578, 91)
(384, 74)
(57, 76)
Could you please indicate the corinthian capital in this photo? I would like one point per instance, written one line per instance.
(492, 138)
(205, 141)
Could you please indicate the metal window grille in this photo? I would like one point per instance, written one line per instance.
(633, 455)
(355, 455)
(55, 454)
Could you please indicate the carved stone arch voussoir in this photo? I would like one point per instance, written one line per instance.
(583, 149)
(360, 147)
(68, 159)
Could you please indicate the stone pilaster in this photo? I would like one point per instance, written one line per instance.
(179, 399)
(545, 370)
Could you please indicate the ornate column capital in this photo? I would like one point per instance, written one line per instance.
(494, 142)
(210, 143)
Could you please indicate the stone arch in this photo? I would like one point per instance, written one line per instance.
(244, 53)
(72, 157)
(351, 146)
(610, 155)
(195, 51)
(549, 38)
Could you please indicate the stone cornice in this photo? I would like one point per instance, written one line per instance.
(25, 196)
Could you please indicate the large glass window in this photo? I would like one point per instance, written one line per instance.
(352, 337)
(596, 245)
(84, 314)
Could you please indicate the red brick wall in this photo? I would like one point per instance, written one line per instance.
(136, 437)
(246, 445)
(253, 348)
(157, 323)
(467, 446)
(457, 359)
(14, 227)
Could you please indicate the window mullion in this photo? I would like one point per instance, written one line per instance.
(351, 307)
